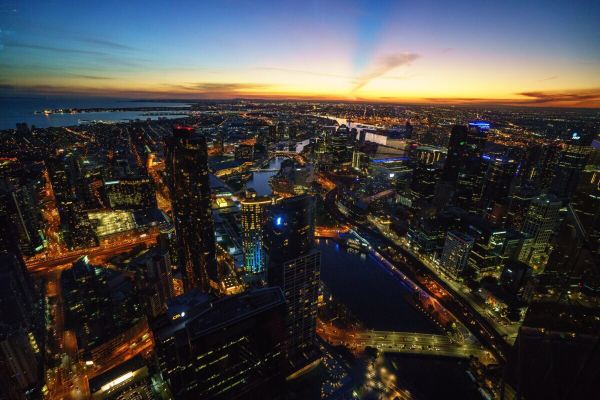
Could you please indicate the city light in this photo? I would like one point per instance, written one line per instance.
(276, 200)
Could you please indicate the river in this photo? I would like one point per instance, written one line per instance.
(260, 179)
(377, 299)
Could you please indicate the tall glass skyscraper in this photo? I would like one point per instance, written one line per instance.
(187, 167)
(294, 264)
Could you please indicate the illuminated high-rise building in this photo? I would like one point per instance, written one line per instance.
(457, 152)
(254, 216)
(294, 264)
(187, 167)
(499, 179)
(489, 239)
(18, 202)
(518, 204)
(455, 255)
(130, 193)
(424, 181)
(567, 171)
(470, 179)
(540, 223)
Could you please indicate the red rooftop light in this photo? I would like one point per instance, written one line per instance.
(184, 128)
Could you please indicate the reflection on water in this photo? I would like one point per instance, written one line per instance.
(378, 300)
(260, 179)
(14, 110)
(376, 297)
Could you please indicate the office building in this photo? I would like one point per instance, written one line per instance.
(540, 223)
(585, 203)
(154, 279)
(486, 255)
(457, 152)
(567, 170)
(424, 181)
(231, 348)
(294, 264)
(499, 179)
(254, 216)
(455, 254)
(130, 193)
(518, 205)
(186, 164)
(19, 203)
(465, 166)
(21, 328)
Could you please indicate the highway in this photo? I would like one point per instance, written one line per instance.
(44, 264)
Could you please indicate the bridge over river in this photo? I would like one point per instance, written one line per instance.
(403, 342)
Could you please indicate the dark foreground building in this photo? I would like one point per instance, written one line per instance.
(556, 355)
(232, 348)
(295, 265)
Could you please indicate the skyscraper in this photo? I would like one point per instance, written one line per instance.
(567, 171)
(457, 152)
(18, 202)
(464, 167)
(541, 221)
(499, 179)
(187, 167)
(455, 255)
(21, 350)
(294, 265)
(469, 183)
(254, 216)
(232, 348)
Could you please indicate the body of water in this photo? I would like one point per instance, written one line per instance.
(379, 300)
(383, 303)
(260, 179)
(14, 110)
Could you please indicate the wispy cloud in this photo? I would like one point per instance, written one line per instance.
(227, 87)
(107, 43)
(62, 50)
(84, 76)
(565, 96)
(549, 78)
(383, 65)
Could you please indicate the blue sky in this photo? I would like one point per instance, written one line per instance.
(530, 51)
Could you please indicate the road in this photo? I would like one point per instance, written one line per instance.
(41, 264)
(402, 342)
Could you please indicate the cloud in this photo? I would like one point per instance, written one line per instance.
(94, 77)
(212, 87)
(568, 97)
(62, 50)
(107, 43)
(550, 78)
(565, 98)
(383, 65)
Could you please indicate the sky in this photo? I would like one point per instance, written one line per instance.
(544, 52)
